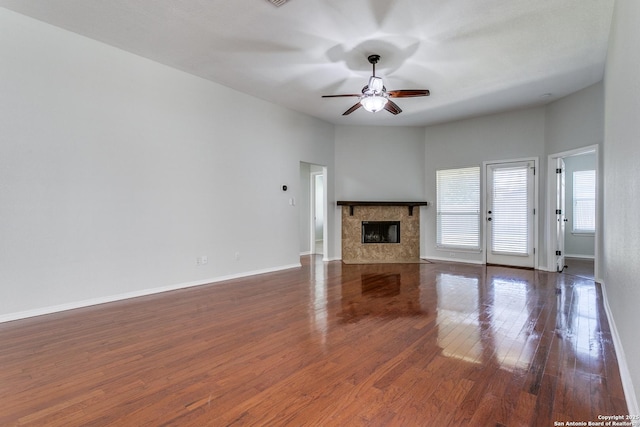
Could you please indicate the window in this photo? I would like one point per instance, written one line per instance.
(584, 201)
(458, 208)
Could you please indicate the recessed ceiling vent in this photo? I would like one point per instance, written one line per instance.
(277, 2)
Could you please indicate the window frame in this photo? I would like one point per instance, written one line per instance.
(575, 200)
(475, 212)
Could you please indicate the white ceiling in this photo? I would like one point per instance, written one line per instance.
(476, 57)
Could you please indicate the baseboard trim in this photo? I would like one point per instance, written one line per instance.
(461, 261)
(144, 292)
(591, 257)
(625, 375)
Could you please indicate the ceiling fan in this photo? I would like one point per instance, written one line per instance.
(375, 96)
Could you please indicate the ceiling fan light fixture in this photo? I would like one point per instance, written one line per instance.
(373, 103)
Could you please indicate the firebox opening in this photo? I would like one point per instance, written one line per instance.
(380, 231)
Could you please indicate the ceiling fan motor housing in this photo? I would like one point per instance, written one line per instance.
(375, 85)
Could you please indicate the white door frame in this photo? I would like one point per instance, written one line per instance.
(561, 217)
(483, 202)
(550, 217)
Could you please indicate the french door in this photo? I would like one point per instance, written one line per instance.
(510, 207)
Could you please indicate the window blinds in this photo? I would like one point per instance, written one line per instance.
(458, 208)
(584, 201)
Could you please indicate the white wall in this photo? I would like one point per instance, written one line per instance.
(506, 136)
(621, 242)
(577, 245)
(575, 121)
(378, 163)
(116, 173)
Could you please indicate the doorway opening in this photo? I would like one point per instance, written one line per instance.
(313, 210)
(573, 212)
(317, 212)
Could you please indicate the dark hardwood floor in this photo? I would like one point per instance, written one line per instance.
(327, 344)
(579, 267)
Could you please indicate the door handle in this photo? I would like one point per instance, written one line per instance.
(488, 219)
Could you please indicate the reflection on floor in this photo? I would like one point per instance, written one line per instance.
(579, 267)
(381, 293)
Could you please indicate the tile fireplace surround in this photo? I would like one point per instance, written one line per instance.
(354, 213)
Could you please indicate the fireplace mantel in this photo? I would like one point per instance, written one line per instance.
(352, 204)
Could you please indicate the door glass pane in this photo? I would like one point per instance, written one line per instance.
(510, 231)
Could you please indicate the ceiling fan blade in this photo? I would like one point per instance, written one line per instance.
(340, 96)
(408, 93)
(392, 107)
(352, 109)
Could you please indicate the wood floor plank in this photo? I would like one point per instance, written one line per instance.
(326, 344)
(543, 412)
(524, 410)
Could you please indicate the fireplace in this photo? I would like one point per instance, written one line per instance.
(380, 231)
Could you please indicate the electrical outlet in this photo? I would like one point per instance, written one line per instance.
(237, 256)
(204, 259)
